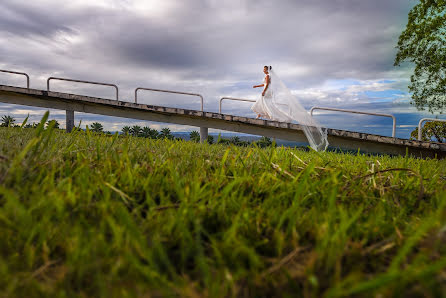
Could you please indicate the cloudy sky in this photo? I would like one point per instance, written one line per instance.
(333, 53)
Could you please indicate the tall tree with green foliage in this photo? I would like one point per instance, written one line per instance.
(7, 121)
(423, 43)
(194, 136)
(56, 123)
(136, 130)
(221, 140)
(125, 130)
(433, 129)
(96, 127)
(153, 133)
(148, 132)
(264, 142)
(166, 134)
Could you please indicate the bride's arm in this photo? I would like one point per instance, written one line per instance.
(256, 86)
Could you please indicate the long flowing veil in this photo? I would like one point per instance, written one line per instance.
(289, 105)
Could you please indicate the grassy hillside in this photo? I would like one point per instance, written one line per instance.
(90, 215)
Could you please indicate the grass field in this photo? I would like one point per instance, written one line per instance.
(95, 216)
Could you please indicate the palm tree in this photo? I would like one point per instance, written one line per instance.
(49, 122)
(96, 127)
(135, 130)
(264, 142)
(154, 134)
(126, 130)
(235, 140)
(210, 139)
(194, 136)
(221, 140)
(165, 134)
(145, 132)
(7, 121)
(148, 132)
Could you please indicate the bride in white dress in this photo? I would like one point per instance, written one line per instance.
(279, 104)
(264, 106)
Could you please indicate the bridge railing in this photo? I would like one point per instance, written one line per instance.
(169, 91)
(233, 98)
(358, 112)
(240, 99)
(81, 81)
(19, 73)
(204, 131)
(426, 119)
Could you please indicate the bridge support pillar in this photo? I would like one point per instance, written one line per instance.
(69, 120)
(203, 134)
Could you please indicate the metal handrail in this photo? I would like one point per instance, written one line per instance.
(80, 81)
(241, 99)
(169, 91)
(358, 112)
(19, 73)
(233, 98)
(426, 119)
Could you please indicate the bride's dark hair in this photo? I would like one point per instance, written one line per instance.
(268, 67)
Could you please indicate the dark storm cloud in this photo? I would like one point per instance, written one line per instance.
(213, 47)
(332, 39)
(28, 19)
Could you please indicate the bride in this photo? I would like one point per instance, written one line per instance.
(264, 106)
(279, 104)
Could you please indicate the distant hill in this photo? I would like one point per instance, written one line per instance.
(243, 137)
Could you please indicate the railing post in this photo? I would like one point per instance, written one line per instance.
(81, 81)
(19, 73)
(69, 120)
(358, 112)
(232, 98)
(426, 119)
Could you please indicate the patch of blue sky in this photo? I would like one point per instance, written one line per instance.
(387, 81)
(342, 84)
(385, 93)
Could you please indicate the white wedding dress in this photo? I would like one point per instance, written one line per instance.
(279, 104)
(266, 107)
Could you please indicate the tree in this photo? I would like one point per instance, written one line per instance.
(148, 132)
(221, 140)
(154, 134)
(210, 139)
(96, 127)
(432, 129)
(166, 134)
(235, 140)
(264, 142)
(135, 130)
(56, 123)
(145, 132)
(126, 130)
(7, 121)
(194, 136)
(423, 43)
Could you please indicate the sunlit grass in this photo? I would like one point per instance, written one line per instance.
(85, 214)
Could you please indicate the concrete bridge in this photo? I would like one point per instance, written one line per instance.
(287, 131)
